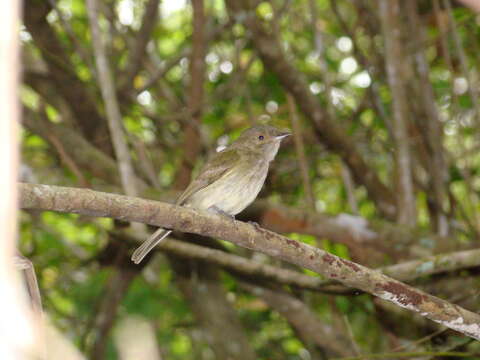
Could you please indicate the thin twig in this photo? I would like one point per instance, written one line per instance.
(421, 340)
(349, 188)
(351, 336)
(300, 149)
(319, 43)
(64, 156)
(24, 264)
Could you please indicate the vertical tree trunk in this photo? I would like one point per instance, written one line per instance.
(191, 144)
(16, 328)
(397, 72)
(429, 121)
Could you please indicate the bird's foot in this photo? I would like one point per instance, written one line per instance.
(254, 224)
(219, 211)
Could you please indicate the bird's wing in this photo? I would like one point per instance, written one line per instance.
(213, 170)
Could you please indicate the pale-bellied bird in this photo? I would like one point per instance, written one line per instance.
(229, 181)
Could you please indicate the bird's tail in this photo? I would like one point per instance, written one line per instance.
(149, 244)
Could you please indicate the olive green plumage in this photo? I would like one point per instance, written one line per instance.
(230, 180)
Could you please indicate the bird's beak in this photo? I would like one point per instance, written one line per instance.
(282, 135)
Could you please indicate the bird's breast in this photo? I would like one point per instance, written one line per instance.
(234, 191)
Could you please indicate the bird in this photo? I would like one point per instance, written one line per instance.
(229, 181)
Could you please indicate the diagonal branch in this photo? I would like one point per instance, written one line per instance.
(92, 203)
(404, 271)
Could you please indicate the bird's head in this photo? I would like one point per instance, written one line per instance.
(261, 139)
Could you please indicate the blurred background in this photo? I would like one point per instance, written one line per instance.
(383, 167)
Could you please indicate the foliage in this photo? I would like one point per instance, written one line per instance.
(338, 48)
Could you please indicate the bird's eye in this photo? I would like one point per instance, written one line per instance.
(261, 137)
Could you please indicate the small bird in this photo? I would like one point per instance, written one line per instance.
(229, 181)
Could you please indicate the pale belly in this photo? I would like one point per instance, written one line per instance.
(233, 192)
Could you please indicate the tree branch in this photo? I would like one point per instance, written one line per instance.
(429, 122)
(192, 140)
(404, 271)
(397, 73)
(114, 117)
(91, 203)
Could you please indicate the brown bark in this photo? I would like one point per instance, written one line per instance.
(205, 293)
(368, 242)
(191, 145)
(429, 122)
(397, 73)
(112, 109)
(404, 271)
(93, 203)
